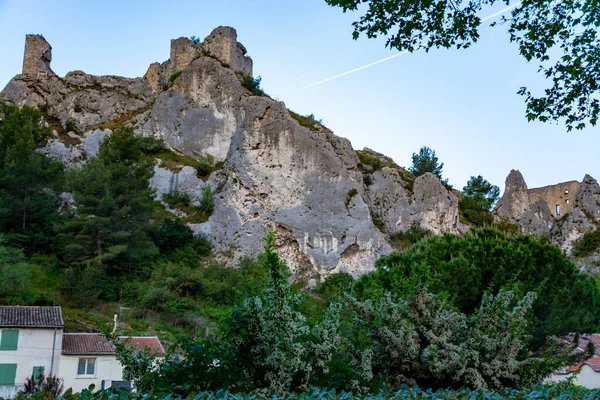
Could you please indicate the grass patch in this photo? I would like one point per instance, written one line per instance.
(122, 119)
(372, 161)
(307, 121)
(349, 196)
(174, 162)
(194, 214)
(174, 76)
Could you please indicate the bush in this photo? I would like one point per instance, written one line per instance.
(202, 245)
(485, 260)
(587, 244)
(207, 200)
(152, 145)
(335, 285)
(171, 234)
(307, 121)
(405, 240)
(176, 199)
(174, 76)
(50, 387)
(351, 193)
(253, 85)
(71, 125)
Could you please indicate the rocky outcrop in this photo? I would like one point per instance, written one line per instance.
(515, 200)
(398, 201)
(529, 210)
(331, 211)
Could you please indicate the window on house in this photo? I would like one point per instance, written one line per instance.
(567, 201)
(566, 191)
(558, 210)
(8, 373)
(87, 366)
(9, 339)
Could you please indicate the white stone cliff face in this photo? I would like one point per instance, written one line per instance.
(306, 184)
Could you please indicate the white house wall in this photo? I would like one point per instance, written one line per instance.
(107, 368)
(587, 377)
(34, 349)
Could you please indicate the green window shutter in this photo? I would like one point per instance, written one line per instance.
(8, 373)
(9, 339)
(38, 372)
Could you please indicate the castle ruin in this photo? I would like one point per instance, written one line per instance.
(37, 57)
(559, 198)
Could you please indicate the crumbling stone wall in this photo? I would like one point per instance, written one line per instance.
(559, 198)
(222, 43)
(37, 57)
(183, 52)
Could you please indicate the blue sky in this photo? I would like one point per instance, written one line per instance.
(462, 103)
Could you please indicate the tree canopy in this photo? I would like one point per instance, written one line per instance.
(561, 36)
(426, 161)
(479, 196)
(485, 260)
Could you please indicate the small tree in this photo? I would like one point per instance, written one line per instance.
(207, 200)
(278, 347)
(426, 161)
(479, 198)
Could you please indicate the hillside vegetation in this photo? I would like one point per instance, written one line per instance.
(469, 311)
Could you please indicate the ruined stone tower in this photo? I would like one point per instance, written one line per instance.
(221, 44)
(38, 55)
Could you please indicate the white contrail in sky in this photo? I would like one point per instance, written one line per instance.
(494, 15)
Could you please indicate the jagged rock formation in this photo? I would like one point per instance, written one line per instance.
(305, 182)
(562, 212)
(397, 200)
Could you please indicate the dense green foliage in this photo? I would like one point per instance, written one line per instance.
(401, 393)
(27, 208)
(274, 342)
(479, 196)
(587, 244)
(562, 36)
(465, 268)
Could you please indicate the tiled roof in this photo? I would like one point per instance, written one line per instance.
(31, 317)
(582, 344)
(141, 342)
(94, 343)
(86, 343)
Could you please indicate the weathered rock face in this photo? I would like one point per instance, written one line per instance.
(515, 200)
(398, 201)
(307, 184)
(528, 209)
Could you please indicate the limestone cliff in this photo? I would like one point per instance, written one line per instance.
(332, 211)
(563, 212)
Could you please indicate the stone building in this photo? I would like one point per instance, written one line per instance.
(37, 57)
(559, 198)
